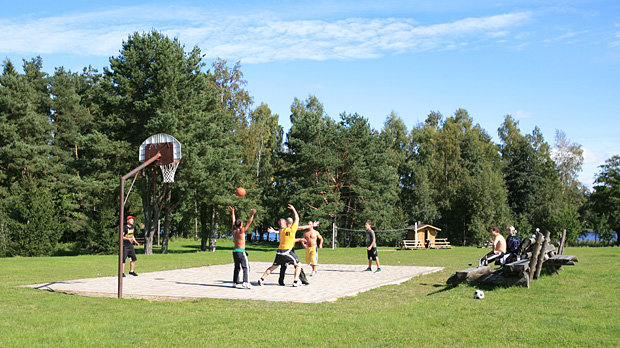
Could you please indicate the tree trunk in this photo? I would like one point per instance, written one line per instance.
(164, 243)
(195, 213)
(150, 205)
(203, 226)
(214, 223)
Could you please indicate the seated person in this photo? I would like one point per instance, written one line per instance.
(499, 247)
(513, 244)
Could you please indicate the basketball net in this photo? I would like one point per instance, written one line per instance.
(168, 171)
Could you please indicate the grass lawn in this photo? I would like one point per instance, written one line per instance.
(578, 308)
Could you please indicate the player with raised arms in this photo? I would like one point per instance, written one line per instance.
(286, 254)
(240, 256)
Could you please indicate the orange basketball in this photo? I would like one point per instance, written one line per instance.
(240, 192)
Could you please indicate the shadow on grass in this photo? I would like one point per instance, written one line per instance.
(70, 252)
(444, 288)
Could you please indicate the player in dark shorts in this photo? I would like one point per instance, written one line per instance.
(371, 247)
(128, 241)
(285, 253)
(240, 256)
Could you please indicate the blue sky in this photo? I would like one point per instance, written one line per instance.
(551, 64)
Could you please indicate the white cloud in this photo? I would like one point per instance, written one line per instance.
(256, 38)
(522, 114)
(589, 156)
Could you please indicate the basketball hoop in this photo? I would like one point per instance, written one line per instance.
(169, 149)
(168, 170)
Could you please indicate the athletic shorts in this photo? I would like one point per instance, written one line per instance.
(128, 250)
(372, 253)
(285, 256)
(312, 255)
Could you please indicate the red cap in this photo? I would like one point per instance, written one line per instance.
(130, 217)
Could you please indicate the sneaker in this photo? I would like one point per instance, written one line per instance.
(378, 270)
(368, 269)
(234, 285)
(305, 283)
(261, 282)
(297, 283)
(133, 273)
(313, 273)
(281, 283)
(124, 275)
(247, 285)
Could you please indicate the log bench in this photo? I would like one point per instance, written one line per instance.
(554, 263)
(439, 243)
(483, 275)
(412, 244)
(517, 273)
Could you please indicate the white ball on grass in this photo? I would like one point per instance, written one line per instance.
(478, 294)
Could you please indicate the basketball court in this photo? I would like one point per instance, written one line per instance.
(331, 283)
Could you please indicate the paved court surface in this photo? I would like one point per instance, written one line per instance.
(331, 283)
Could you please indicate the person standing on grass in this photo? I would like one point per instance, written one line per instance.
(240, 256)
(310, 243)
(128, 241)
(286, 254)
(371, 247)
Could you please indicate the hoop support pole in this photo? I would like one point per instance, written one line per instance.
(122, 217)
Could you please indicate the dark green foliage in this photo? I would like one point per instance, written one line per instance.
(32, 220)
(531, 176)
(25, 131)
(455, 181)
(605, 200)
(101, 232)
(338, 171)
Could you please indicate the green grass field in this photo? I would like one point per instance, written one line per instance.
(578, 308)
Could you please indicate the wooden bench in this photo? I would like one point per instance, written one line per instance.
(439, 243)
(412, 244)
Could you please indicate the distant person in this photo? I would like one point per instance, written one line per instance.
(240, 256)
(499, 247)
(371, 247)
(285, 253)
(128, 242)
(309, 242)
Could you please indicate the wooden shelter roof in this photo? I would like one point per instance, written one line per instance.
(421, 226)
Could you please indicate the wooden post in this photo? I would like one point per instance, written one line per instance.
(561, 251)
(541, 255)
(535, 252)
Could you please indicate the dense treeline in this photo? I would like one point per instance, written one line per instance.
(67, 138)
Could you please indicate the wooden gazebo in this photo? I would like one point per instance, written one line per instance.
(420, 236)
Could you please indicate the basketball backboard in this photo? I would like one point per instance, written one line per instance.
(167, 145)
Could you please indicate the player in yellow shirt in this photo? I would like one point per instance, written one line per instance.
(285, 253)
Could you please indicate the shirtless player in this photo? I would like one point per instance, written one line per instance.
(240, 256)
(309, 242)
